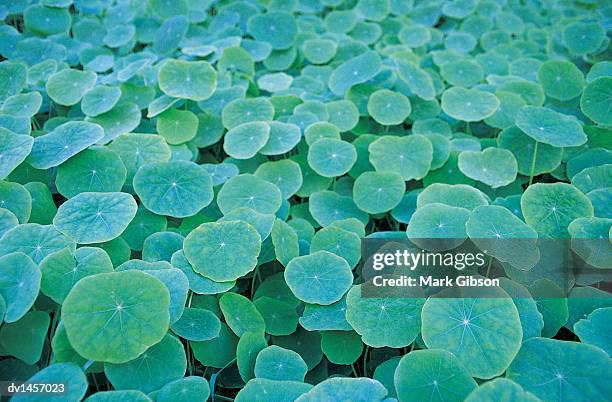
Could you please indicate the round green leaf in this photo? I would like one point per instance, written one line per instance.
(62, 270)
(547, 157)
(488, 224)
(280, 317)
(469, 104)
(223, 251)
(278, 28)
(177, 188)
(341, 347)
(264, 390)
(100, 99)
(285, 174)
(484, 333)
(502, 390)
(331, 157)
(582, 37)
(381, 321)
(589, 237)
(249, 345)
(354, 71)
(285, 242)
(550, 127)
(560, 79)
(561, 370)
(595, 329)
(95, 217)
(34, 240)
(34, 325)
(550, 207)
(339, 241)
(241, 111)
(328, 206)
(495, 167)
(177, 126)
(69, 374)
(283, 138)
(8, 220)
(16, 198)
(245, 140)
(432, 375)
(409, 156)
(388, 108)
(442, 222)
(14, 149)
(65, 141)
(360, 389)
(319, 278)
(240, 314)
(19, 284)
(194, 80)
(22, 105)
(184, 390)
(319, 51)
(455, 195)
(417, 79)
(595, 101)
(276, 363)
(165, 362)
(107, 321)
(96, 169)
(249, 191)
(136, 150)
(67, 87)
(218, 351)
(126, 395)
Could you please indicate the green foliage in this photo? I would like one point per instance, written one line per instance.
(191, 192)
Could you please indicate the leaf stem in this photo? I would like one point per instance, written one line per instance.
(354, 371)
(365, 361)
(533, 162)
(489, 267)
(223, 398)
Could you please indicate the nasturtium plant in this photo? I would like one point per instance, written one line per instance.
(103, 307)
(165, 362)
(96, 169)
(19, 285)
(63, 269)
(432, 373)
(175, 188)
(377, 319)
(550, 208)
(95, 217)
(244, 140)
(388, 108)
(177, 126)
(67, 87)
(550, 127)
(193, 193)
(488, 327)
(194, 80)
(469, 104)
(319, 278)
(495, 167)
(409, 156)
(223, 251)
(595, 100)
(64, 141)
(543, 364)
